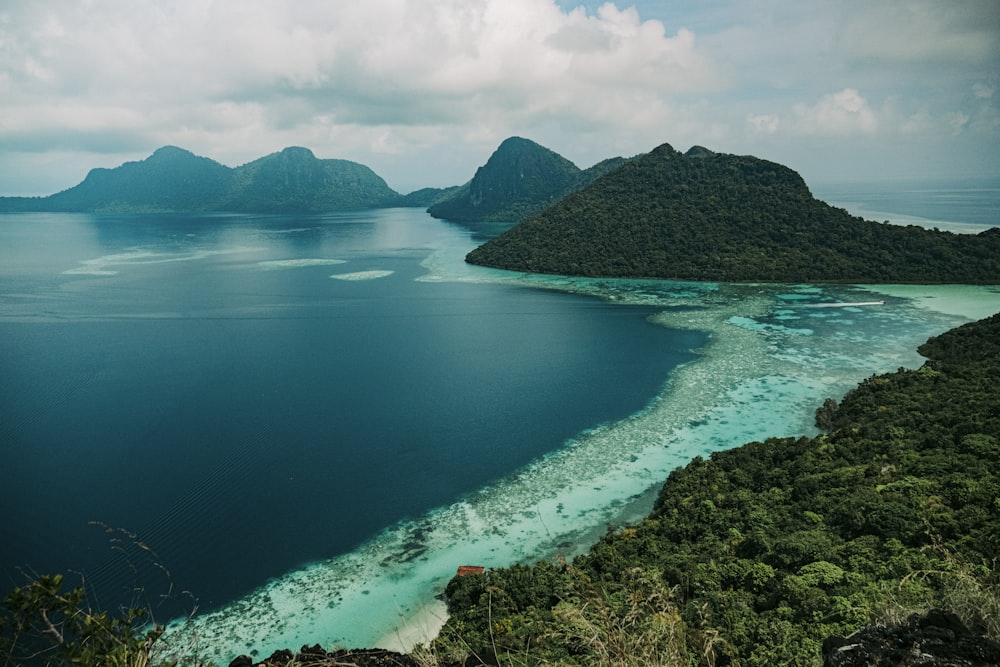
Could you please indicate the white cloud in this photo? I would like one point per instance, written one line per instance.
(982, 91)
(957, 121)
(918, 31)
(842, 113)
(763, 123)
(423, 90)
(357, 72)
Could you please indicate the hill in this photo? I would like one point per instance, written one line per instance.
(717, 217)
(426, 197)
(520, 179)
(173, 179)
(295, 180)
(755, 555)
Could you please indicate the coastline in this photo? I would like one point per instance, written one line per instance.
(418, 628)
(764, 348)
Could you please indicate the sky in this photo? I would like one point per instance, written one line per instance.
(423, 91)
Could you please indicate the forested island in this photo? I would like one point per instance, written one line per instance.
(700, 215)
(175, 180)
(520, 179)
(728, 218)
(755, 556)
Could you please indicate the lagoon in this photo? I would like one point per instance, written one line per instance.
(311, 422)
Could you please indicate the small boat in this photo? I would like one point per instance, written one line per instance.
(466, 570)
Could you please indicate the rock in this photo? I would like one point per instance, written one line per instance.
(316, 656)
(935, 639)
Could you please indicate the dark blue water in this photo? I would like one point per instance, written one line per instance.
(242, 418)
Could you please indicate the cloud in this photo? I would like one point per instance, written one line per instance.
(422, 89)
(842, 113)
(982, 91)
(763, 123)
(372, 63)
(919, 32)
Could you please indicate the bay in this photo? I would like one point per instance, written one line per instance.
(296, 394)
(247, 395)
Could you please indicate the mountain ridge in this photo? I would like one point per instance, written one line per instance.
(519, 179)
(173, 179)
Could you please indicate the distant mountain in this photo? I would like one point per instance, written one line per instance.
(426, 197)
(295, 180)
(520, 179)
(717, 217)
(173, 179)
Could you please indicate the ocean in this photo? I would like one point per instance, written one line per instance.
(299, 427)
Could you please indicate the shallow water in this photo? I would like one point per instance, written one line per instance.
(237, 397)
(767, 357)
(771, 359)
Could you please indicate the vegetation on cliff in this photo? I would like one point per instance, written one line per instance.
(715, 217)
(755, 555)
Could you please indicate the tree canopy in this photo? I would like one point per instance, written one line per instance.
(755, 555)
(716, 217)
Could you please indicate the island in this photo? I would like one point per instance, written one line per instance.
(715, 217)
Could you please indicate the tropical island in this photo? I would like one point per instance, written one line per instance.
(715, 217)
(520, 179)
(699, 215)
(173, 180)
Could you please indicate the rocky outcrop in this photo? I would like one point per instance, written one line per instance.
(934, 639)
(315, 656)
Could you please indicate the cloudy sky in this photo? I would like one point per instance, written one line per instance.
(423, 91)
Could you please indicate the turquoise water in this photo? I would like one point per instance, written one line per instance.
(764, 358)
(773, 354)
(214, 384)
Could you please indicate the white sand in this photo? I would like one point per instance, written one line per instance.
(298, 263)
(420, 628)
(362, 275)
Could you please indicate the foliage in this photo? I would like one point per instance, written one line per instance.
(425, 197)
(295, 180)
(173, 179)
(707, 216)
(45, 625)
(520, 179)
(755, 555)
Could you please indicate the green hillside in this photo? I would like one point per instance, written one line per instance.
(175, 180)
(295, 180)
(755, 555)
(715, 217)
(520, 179)
(171, 179)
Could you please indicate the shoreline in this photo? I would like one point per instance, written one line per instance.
(421, 627)
(711, 403)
